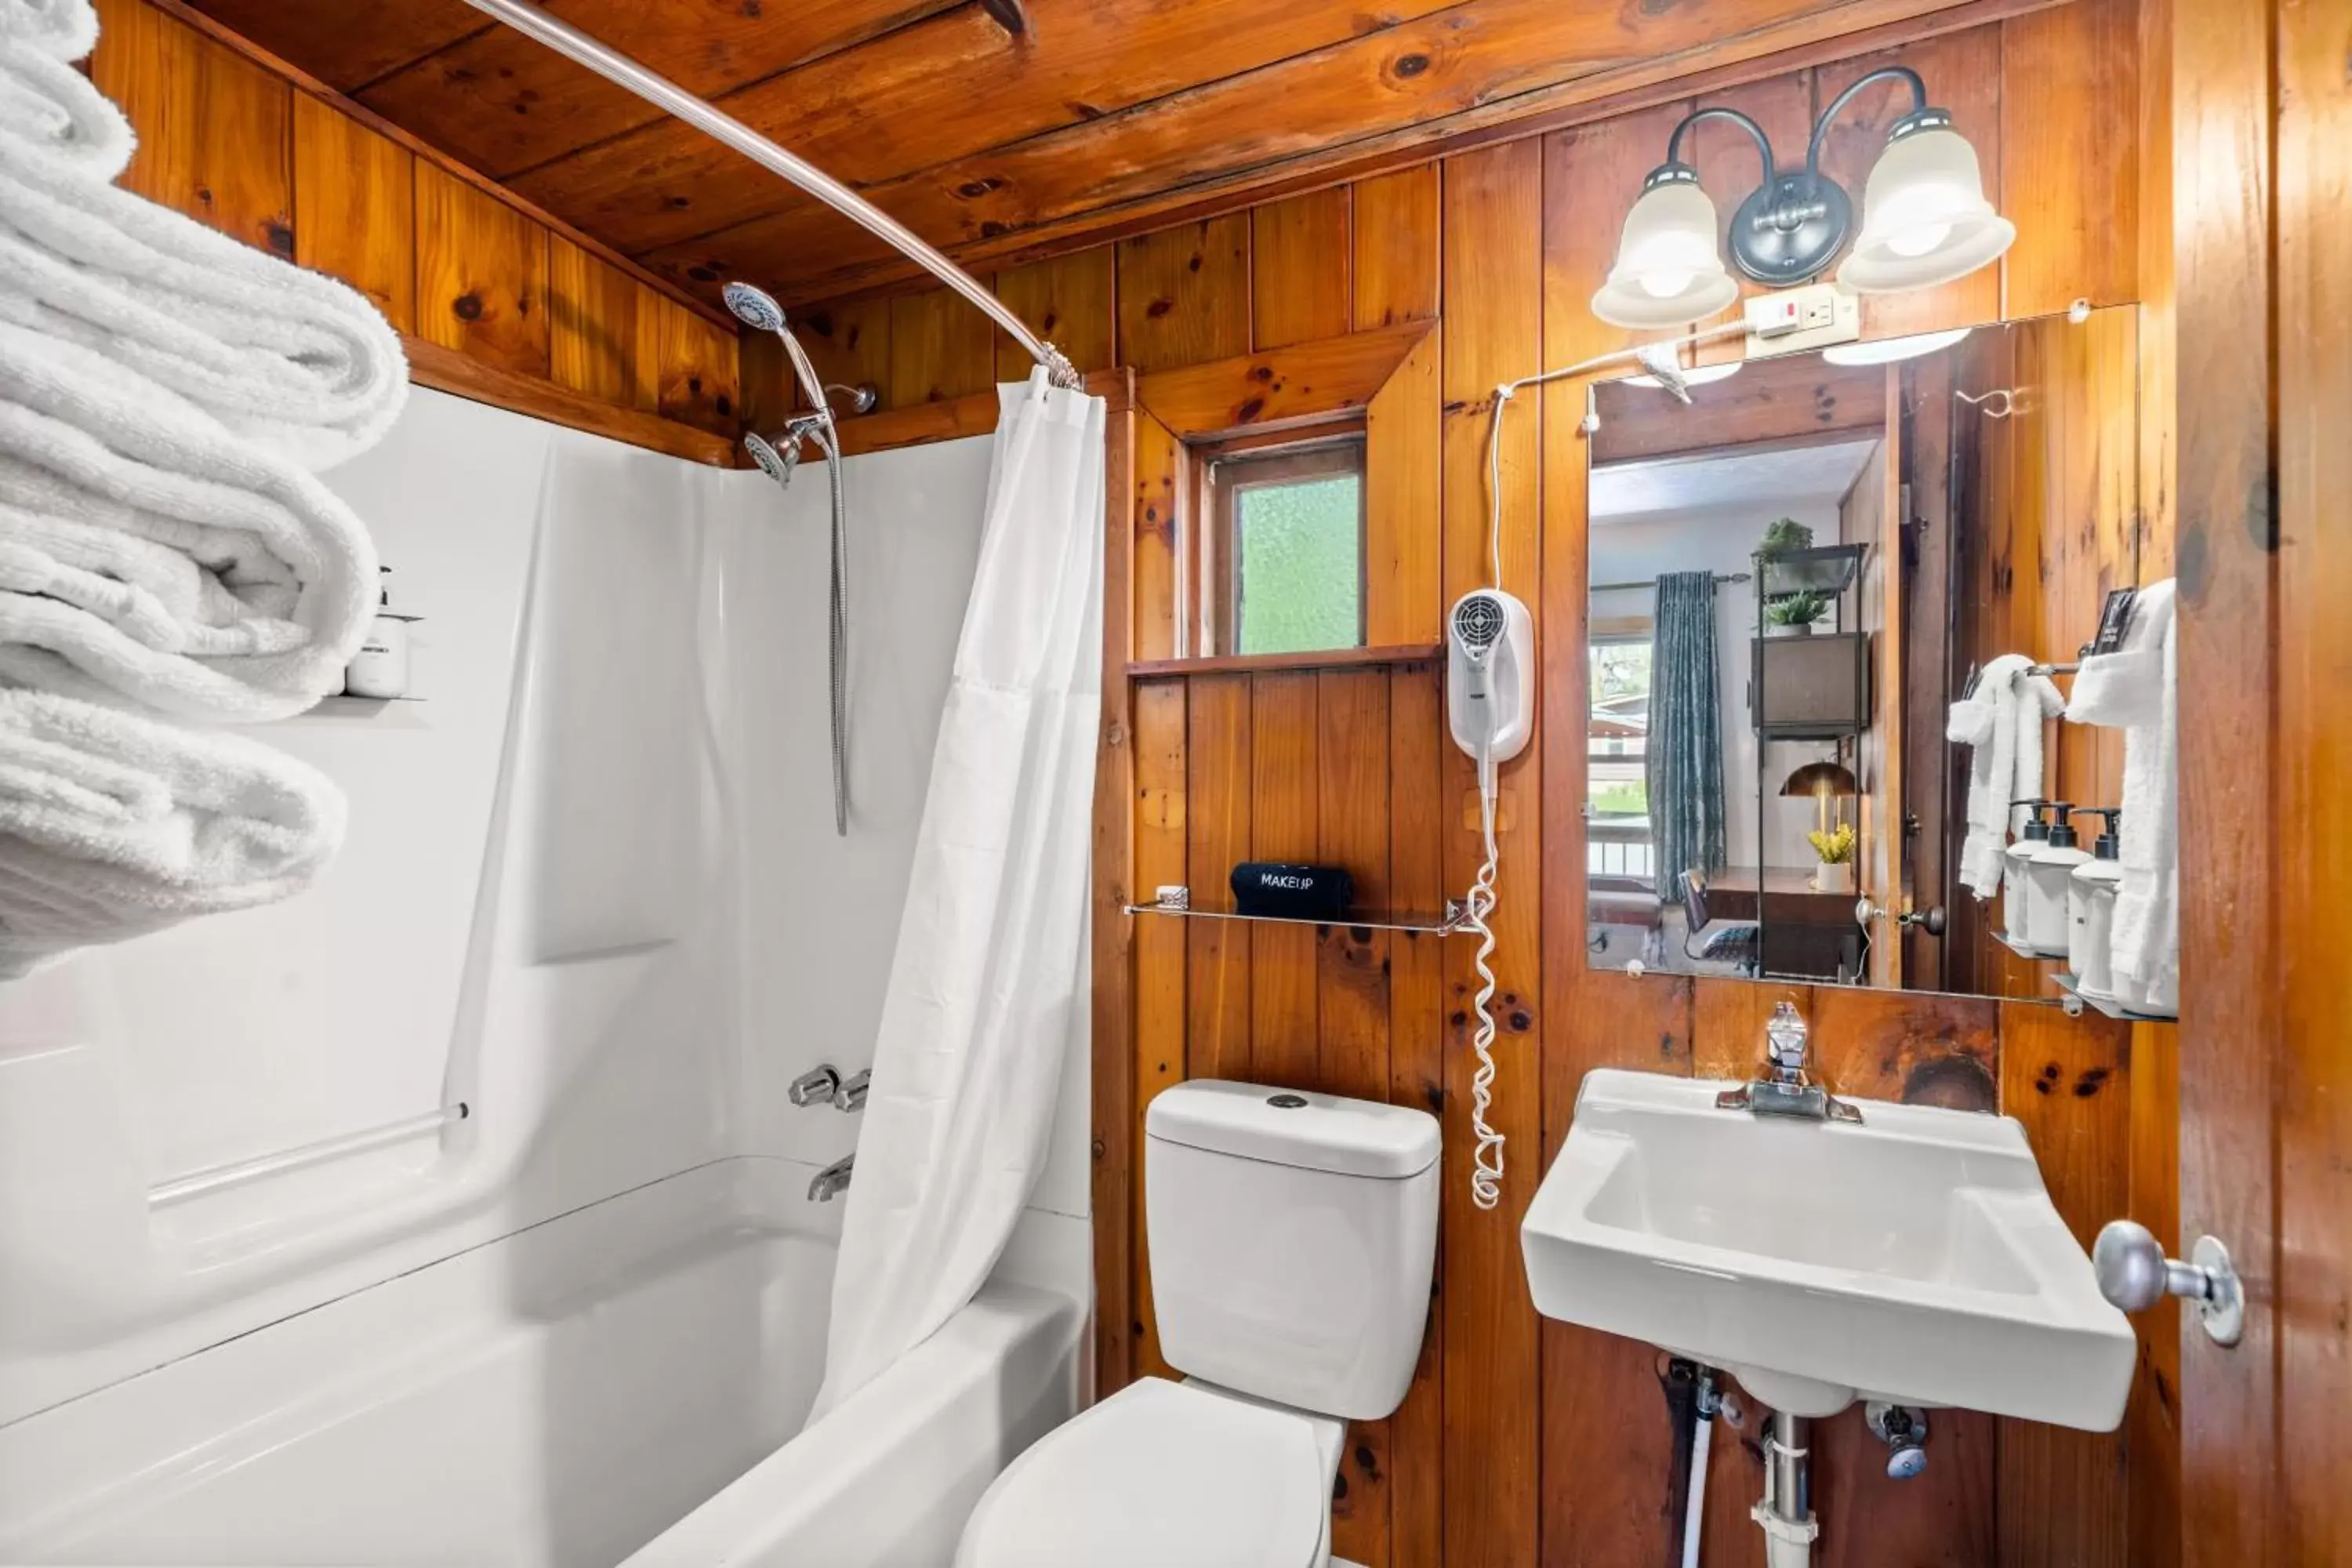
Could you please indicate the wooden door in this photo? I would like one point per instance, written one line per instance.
(2262, 226)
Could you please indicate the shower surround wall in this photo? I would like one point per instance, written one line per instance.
(592, 890)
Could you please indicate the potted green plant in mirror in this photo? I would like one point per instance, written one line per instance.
(1835, 847)
(1782, 535)
(1793, 614)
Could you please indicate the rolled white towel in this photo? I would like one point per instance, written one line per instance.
(113, 826)
(86, 443)
(61, 29)
(52, 116)
(295, 361)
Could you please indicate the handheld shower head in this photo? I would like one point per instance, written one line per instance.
(754, 307)
(757, 309)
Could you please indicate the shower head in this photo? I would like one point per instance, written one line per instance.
(777, 457)
(757, 309)
(754, 307)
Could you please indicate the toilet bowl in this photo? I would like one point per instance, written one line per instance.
(1292, 1239)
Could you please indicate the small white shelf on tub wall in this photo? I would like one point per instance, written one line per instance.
(385, 713)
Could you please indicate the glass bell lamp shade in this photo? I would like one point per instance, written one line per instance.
(1925, 218)
(1669, 267)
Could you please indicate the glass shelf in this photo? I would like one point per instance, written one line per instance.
(2108, 1004)
(1451, 921)
(2023, 950)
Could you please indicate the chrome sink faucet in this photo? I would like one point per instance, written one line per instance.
(1787, 1088)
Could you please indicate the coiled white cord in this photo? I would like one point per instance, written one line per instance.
(1487, 1159)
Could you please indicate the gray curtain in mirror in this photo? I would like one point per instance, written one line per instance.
(1685, 741)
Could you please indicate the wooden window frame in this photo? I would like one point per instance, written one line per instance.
(1223, 471)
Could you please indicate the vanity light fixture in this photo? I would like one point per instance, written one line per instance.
(1886, 350)
(1924, 219)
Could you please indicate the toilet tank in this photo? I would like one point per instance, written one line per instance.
(1291, 1239)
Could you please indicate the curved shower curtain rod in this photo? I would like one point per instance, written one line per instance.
(665, 94)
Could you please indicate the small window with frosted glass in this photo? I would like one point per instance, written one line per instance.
(1284, 551)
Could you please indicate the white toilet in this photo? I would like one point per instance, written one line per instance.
(1292, 1237)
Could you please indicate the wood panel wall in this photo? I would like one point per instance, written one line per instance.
(1524, 1441)
(2049, 498)
(497, 301)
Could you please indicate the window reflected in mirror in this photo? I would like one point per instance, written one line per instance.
(1797, 574)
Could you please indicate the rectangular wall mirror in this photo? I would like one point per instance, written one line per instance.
(1794, 573)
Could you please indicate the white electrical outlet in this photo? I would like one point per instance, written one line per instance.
(1796, 319)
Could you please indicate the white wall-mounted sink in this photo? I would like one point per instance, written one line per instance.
(1915, 1257)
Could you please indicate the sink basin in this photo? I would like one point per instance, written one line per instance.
(1915, 1257)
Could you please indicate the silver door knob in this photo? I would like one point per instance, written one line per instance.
(2135, 1275)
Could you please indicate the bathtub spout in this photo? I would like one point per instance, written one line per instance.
(834, 1178)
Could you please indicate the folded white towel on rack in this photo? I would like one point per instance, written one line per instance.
(2137, 690)
(2038, 701)
(284, 577)
(113, 826)
(1997, 721)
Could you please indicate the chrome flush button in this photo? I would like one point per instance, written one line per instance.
(1286, 1101)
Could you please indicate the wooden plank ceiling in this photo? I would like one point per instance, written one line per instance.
(1000, 129)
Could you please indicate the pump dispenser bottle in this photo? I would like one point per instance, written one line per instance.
(2013, 898)
(380, 669)
(2047, 872)
(2091, 906)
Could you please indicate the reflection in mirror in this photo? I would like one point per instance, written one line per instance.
(1797, 579)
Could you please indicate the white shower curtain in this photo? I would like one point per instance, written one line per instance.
(988, 983)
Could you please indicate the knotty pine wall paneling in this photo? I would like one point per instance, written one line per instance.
(499, 303)
(1522, 1441)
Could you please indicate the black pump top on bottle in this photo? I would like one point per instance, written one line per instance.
(2109, 844)
(2062, 832)
(2037, 826)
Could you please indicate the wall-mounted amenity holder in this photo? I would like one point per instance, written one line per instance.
(379, 671)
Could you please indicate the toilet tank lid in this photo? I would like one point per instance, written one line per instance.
(1293, 1127)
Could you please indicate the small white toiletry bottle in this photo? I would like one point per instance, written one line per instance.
(380, 667)
(2091, 908)
(2047, 872)
(2030, 839)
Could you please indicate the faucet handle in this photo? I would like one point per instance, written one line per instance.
(1784, 1039)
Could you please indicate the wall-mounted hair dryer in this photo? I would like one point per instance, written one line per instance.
(1490, 701)
(1490, 678)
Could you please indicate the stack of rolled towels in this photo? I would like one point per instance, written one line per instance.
(169, 561)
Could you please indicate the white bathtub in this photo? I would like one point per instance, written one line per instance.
(625, 1381)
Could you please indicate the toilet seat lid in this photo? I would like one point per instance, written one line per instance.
(1158, 1476)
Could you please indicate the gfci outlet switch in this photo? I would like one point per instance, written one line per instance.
(1796, 319)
